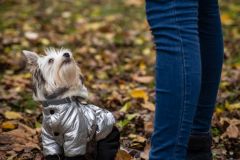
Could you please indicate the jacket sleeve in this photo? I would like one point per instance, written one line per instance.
(50, 147)
(105, 121)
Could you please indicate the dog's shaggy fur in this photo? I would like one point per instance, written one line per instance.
(55, 75)
(69, 126)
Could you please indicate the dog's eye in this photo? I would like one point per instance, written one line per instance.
(50, 60)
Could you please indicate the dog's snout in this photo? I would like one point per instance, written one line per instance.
(66, 55)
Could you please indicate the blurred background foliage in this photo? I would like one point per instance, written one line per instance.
(112, 43)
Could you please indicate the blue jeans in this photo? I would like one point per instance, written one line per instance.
(189, 45)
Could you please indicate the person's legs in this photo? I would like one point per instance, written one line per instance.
(211, 44)
(174, 24)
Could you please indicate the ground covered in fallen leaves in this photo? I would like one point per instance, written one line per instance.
(112, 44)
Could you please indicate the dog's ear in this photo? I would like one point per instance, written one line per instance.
(31, 57)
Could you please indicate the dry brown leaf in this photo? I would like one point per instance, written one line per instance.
(18, 147)
(137, 138)
(148, 127)
(143, 79)
(11, 155)
(30, 146)
(123, 155)
(5, 139)
(145, 153)
(38, 156)
(232, 131)
(27, 129)
(22, 138)
(148, 105)
(224, 119)
(2, 155)
(136, 3)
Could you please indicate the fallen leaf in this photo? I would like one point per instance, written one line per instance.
(18, 147)
(38, 156)
(138, 142)
(142, 66)
(145, 153)
(148, 127)
(126, 121)
(139, 93)
(126, 107)
(123, 155)
(142, 79)
(31, 35)
(11, 155)
(137, 138)
(136, 3)
(45, 41)
(2, 155)
(5, 139)
(148, 105)
(233, 106)
(232, 131)
(9, 125)
(219, 110)
(226, 19)
(12, 115)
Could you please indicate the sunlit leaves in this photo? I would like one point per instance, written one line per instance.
(139, 93)
(226, 19)
(12, 115)
(113, 46)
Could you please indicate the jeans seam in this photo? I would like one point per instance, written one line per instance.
(184, 81)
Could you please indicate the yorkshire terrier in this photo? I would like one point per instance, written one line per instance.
(72, 129)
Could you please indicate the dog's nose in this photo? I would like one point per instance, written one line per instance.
(66, 55)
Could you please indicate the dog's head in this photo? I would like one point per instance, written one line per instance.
(55, 74)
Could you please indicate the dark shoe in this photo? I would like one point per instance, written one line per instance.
(80, 157)
(199, 147)
(54, 157)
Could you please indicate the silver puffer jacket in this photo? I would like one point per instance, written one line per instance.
(72, 125)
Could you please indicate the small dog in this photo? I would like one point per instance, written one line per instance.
(72, 129)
